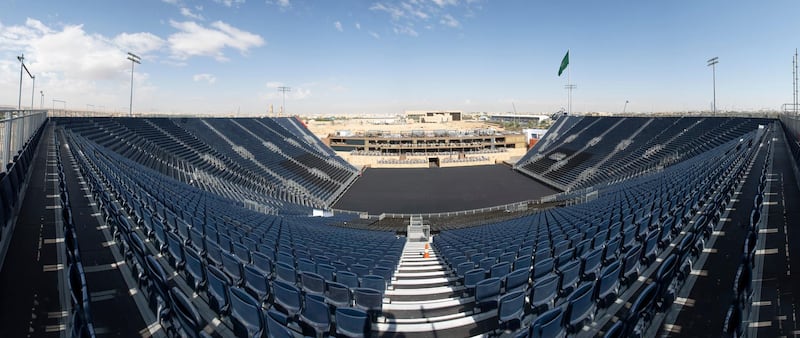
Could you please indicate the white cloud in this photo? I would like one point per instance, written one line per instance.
(407, 30)
(405, 15)
(283, 4)
(338, 26)
(375, 35)
(74, 65)
(358, 25)
(442, 3)
(193, 39)
(210, 79)
(140, 43)
(449, 20)
(189, 14)
(230, 3)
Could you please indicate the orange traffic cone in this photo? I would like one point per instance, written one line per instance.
(426, 254)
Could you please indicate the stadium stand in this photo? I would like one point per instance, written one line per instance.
(200, 227)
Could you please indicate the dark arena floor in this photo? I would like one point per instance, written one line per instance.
(430, 190)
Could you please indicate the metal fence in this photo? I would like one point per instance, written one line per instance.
(792, 122)
(16, 128)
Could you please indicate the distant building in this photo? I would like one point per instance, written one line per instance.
(436, 116)
(506, 117)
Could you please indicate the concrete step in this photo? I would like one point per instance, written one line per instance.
(458, 325)
(419, 283)
(428, 309)
(416, 275)
(425, 294)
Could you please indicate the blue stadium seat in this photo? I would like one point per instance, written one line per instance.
(327, 271)
(543, 267)
(511, 309)
(369, 300)
(543, 293)
(608, 284)
(195, 269)
(630, 267)
(217, 290)
(516, 280)
(277, 325)
(500, 269)
(312, 283)
(316, 315)
(580, 307)
(232, 267)
(245, 314)
(263, 263)
(471, 279)
(337, 294)
(351, 322)
(285, 273)
(187, 320)
(256, 283)
(641, 312)
(487, 293)
(590, 264)
(570, 276)
(287, 297)
(549, 324)
(347, 278)
(374, 282)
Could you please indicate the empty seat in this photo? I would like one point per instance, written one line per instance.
(580, 307)
(630, 267)
(245, 314)
(500, 269)
(487, 292)
(732, 327)
(570, 276)
(347, 278)
(374, 282)
(287, 297)
(511, 309)
(285, 273)
(352, 322)
(543, 293)
(590, 264)
(471, 279)
(263, 263)
(517, 280)
(316, 315)
(312, 283)
(276, 325)
(233, 267)
(369, 300)
(543, 267)
(256, 283)
(217, 290)
(195, 270)
(608, 284)
(548, 324)
(641, 312)
(327, 271)
(187, 318)
(337, 294)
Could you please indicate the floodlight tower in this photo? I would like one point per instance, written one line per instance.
(22, 67)
(625, 106)
(712, 62)
(41, 103)
(284, 89)
(134, 59)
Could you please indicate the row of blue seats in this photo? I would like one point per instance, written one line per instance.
(81, 323)
(252, 276)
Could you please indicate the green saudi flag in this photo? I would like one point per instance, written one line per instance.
(564, 63)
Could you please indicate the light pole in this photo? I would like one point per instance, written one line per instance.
(625, 106)
(41, 103)
(33, 90)
(134, 59)
(712, 62)
(284, 89)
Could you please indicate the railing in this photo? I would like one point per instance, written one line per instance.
(17, 127)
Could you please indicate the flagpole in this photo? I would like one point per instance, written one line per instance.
(569, 90)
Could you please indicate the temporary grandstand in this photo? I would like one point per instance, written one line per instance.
(210, 227)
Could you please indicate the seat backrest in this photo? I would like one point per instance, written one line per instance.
(487, 289)
(352, 322)
(285, 272)
(472, 277)
(337, 294)
(276, 325)
(500, 269)
(287, 296)
(255, 281)
(511, 305)
(549, 324)
(245, 314)
(189, 320)
(312, 283)
(517, 280)
(368, 299)
(347, 278)
(374, 282)
(542, 268)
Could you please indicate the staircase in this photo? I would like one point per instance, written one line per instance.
(426, 300)
(417, 230)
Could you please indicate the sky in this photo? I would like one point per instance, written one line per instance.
(385, 57)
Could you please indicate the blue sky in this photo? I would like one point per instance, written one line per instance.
(351, 56)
